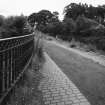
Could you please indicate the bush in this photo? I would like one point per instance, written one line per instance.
(85, 26)
(101, 44)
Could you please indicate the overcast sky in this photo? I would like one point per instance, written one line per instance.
(17, 7)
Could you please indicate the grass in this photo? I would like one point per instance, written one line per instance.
(81, 46)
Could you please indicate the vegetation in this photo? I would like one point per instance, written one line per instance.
(82, 22)
(13, 26)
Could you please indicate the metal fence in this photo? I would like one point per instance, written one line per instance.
(15, 55)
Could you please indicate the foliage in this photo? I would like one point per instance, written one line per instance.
(90, 32)
(69, 25)
(41, 19)
(13, 26)
(54, 28)
(2, 18)
(74, 10)
(84, 26)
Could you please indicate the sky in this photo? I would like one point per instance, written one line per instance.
(26, 7)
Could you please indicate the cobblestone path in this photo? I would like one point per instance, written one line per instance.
(56, 87)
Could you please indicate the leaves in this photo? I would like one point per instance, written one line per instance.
(12, 26)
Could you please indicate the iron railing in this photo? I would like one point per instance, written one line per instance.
(15, 55)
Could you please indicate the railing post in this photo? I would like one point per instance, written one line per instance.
(11, 65)
(3, 71)
(1, 76)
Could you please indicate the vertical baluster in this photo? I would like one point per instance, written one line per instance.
(8, 68)
(3, 73)
(14, 68)
(16, 63)
(17, 57)
(11, 66)
(20, 57)
(20, 50)
(18, 70)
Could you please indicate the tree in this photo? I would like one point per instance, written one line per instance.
(43, 17)
(54, 28)
(2, 19)
(33, 19)
(69, 25)
(19, 23)
(89, 28)
(55, 17)
(73, 10)
(100, 14)
(13, 26)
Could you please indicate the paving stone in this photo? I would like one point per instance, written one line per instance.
(65, 96)
(66, 99)
(76, 101)
(55, 94)
(62, 93)
(81, 97)
(49, 99)
(53, 104)
(47, 96)
(57, 97)
(83, 100)
(43, 90)
(76, 104)
(72, 95)
(68, 102)
(47, 102)
(55, 101)
(61, 103)
(85, 103)
(47, 93)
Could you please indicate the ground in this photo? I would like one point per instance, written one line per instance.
(88, 75)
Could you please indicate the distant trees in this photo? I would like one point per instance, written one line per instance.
(13, 26)
(74, 10)
(41, 18)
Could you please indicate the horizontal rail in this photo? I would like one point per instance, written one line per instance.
(16, 37)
